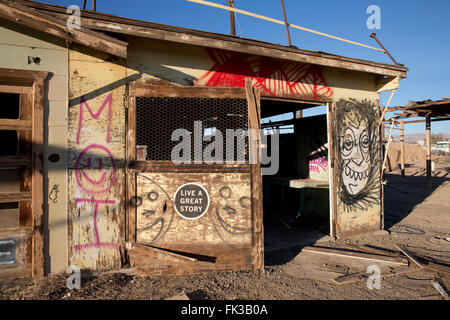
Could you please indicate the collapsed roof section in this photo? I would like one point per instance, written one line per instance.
(439, 109)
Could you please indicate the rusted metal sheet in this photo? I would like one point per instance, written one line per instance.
(96, 178)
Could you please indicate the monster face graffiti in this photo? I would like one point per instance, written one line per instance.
(354, 149)
(358, 154)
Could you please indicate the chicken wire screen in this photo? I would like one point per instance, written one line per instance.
(157, 118)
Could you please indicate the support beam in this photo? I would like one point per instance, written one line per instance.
(232, 24)
(402, 150)
(34, 19)
(428, 145)
(286, 25)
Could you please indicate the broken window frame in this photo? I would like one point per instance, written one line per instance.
(29, 233)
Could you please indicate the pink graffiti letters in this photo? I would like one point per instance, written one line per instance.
(96, 233)
(108, 100)
(85, 168)
(89, 180)
(317, 164)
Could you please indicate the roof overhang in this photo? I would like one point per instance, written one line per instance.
(29, 17)
(119, 25)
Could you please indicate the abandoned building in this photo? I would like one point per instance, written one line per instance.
(87, 115)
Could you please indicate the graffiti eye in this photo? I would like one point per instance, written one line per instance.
(347, 143)
(364, 141)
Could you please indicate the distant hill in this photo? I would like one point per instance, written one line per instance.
(412, 138)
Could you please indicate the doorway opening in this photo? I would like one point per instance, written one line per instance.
(296, 205)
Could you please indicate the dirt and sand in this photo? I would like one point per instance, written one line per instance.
(414, 216)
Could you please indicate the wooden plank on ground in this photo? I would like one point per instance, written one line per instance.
(357, 255)
(379, 250)
(141, 248)
(440, 289)
(438, 267)
(308, 272)
(361, 276)
(410, 255)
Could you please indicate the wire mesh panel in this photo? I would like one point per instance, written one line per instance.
(204, 118)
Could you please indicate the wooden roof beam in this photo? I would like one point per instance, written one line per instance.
(43, 22)
(116, 24)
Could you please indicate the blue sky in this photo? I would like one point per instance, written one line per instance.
(415, 32)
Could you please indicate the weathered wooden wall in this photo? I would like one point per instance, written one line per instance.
(357, 159)
(228, 220)
(96, 140)
(160, 61)
(96, 190)
(17, 43)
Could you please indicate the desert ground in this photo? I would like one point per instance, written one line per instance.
(416, 217)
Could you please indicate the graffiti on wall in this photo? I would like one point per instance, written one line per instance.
(273, 77)
(157, 212)
(228, 218)
(318, 165)
(358, 154)
(231, 216)
(95, 172)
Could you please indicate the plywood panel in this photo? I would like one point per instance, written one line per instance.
(96, 142)
(357, 155)
(226, 223)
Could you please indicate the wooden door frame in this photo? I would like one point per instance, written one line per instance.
(252, 95)
(32, 119)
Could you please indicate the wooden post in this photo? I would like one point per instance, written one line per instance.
(94, 5)
(84, 4)
(232, 24)
(286, 23)
(428, 144)
(402, 150)
(299, 114)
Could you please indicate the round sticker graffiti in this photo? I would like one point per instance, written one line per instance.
(191, 201)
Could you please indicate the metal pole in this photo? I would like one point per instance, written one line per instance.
(94, 5)
(428, 142)
(286, 23)
(402, 143)
(232, 24)
(84, 4)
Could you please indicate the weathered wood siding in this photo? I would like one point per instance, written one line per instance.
(96, 152)
(17, 43)
(357, 159)
(228, 220)
(160, 61)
